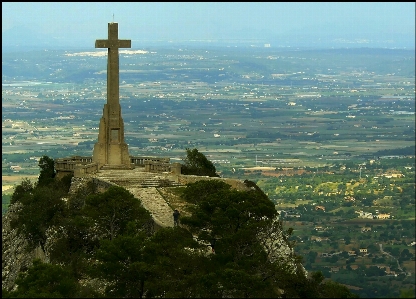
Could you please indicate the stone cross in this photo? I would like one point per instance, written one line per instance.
(111, 151)
(113, 44)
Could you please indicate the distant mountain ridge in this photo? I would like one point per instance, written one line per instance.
(21, 38)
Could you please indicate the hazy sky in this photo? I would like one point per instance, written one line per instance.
(85, 22)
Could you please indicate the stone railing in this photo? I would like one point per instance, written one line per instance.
(79, 166)
(174, 168)
(82, 166)
(154, 164)
(68, 164)
(141, 161)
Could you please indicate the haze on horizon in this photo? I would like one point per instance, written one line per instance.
(315, 25)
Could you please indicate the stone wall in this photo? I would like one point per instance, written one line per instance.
(102, 185)
(79, 166)
(151, 166)
(236, 184)
(85, 169)
(84, 166)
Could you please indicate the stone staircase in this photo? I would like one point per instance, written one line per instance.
(143, 186)
(145, 182)
(137, 178)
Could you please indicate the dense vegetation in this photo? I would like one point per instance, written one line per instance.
(105, 245)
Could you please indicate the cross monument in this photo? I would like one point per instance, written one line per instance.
(111, 151)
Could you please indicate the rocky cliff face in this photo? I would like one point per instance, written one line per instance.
(15, 255)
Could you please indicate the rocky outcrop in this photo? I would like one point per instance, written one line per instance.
(77, 183)
(15, 254)
(158, 201)
(275, 243)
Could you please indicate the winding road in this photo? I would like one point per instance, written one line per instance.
(386, 253)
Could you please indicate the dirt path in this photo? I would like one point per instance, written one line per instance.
(155, 204)
(388, 254)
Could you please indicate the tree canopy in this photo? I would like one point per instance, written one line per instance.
(113, 210)
(44, 281)
(47, 170)
(195, 163)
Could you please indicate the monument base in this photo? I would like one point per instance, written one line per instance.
(112, 156)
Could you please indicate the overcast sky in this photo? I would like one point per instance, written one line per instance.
(85, 22)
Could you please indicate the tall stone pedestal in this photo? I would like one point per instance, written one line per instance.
(111, 152)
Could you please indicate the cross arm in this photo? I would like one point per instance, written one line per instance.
(120, 43)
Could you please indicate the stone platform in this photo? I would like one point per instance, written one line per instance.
(137, 177)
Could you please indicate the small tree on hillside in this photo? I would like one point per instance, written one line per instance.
(47, 170)
(114, 209)
(197, 164)
(23, 191)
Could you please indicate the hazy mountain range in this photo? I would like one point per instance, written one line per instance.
(323, 36)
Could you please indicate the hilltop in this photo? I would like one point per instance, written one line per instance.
(103, 242)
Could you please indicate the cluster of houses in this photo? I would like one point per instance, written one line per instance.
(319, 228)
(319, 239)
(365, 229)
(369, 215)
(362, 252)
(349, 198)
(15, 168)
(387, 269)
